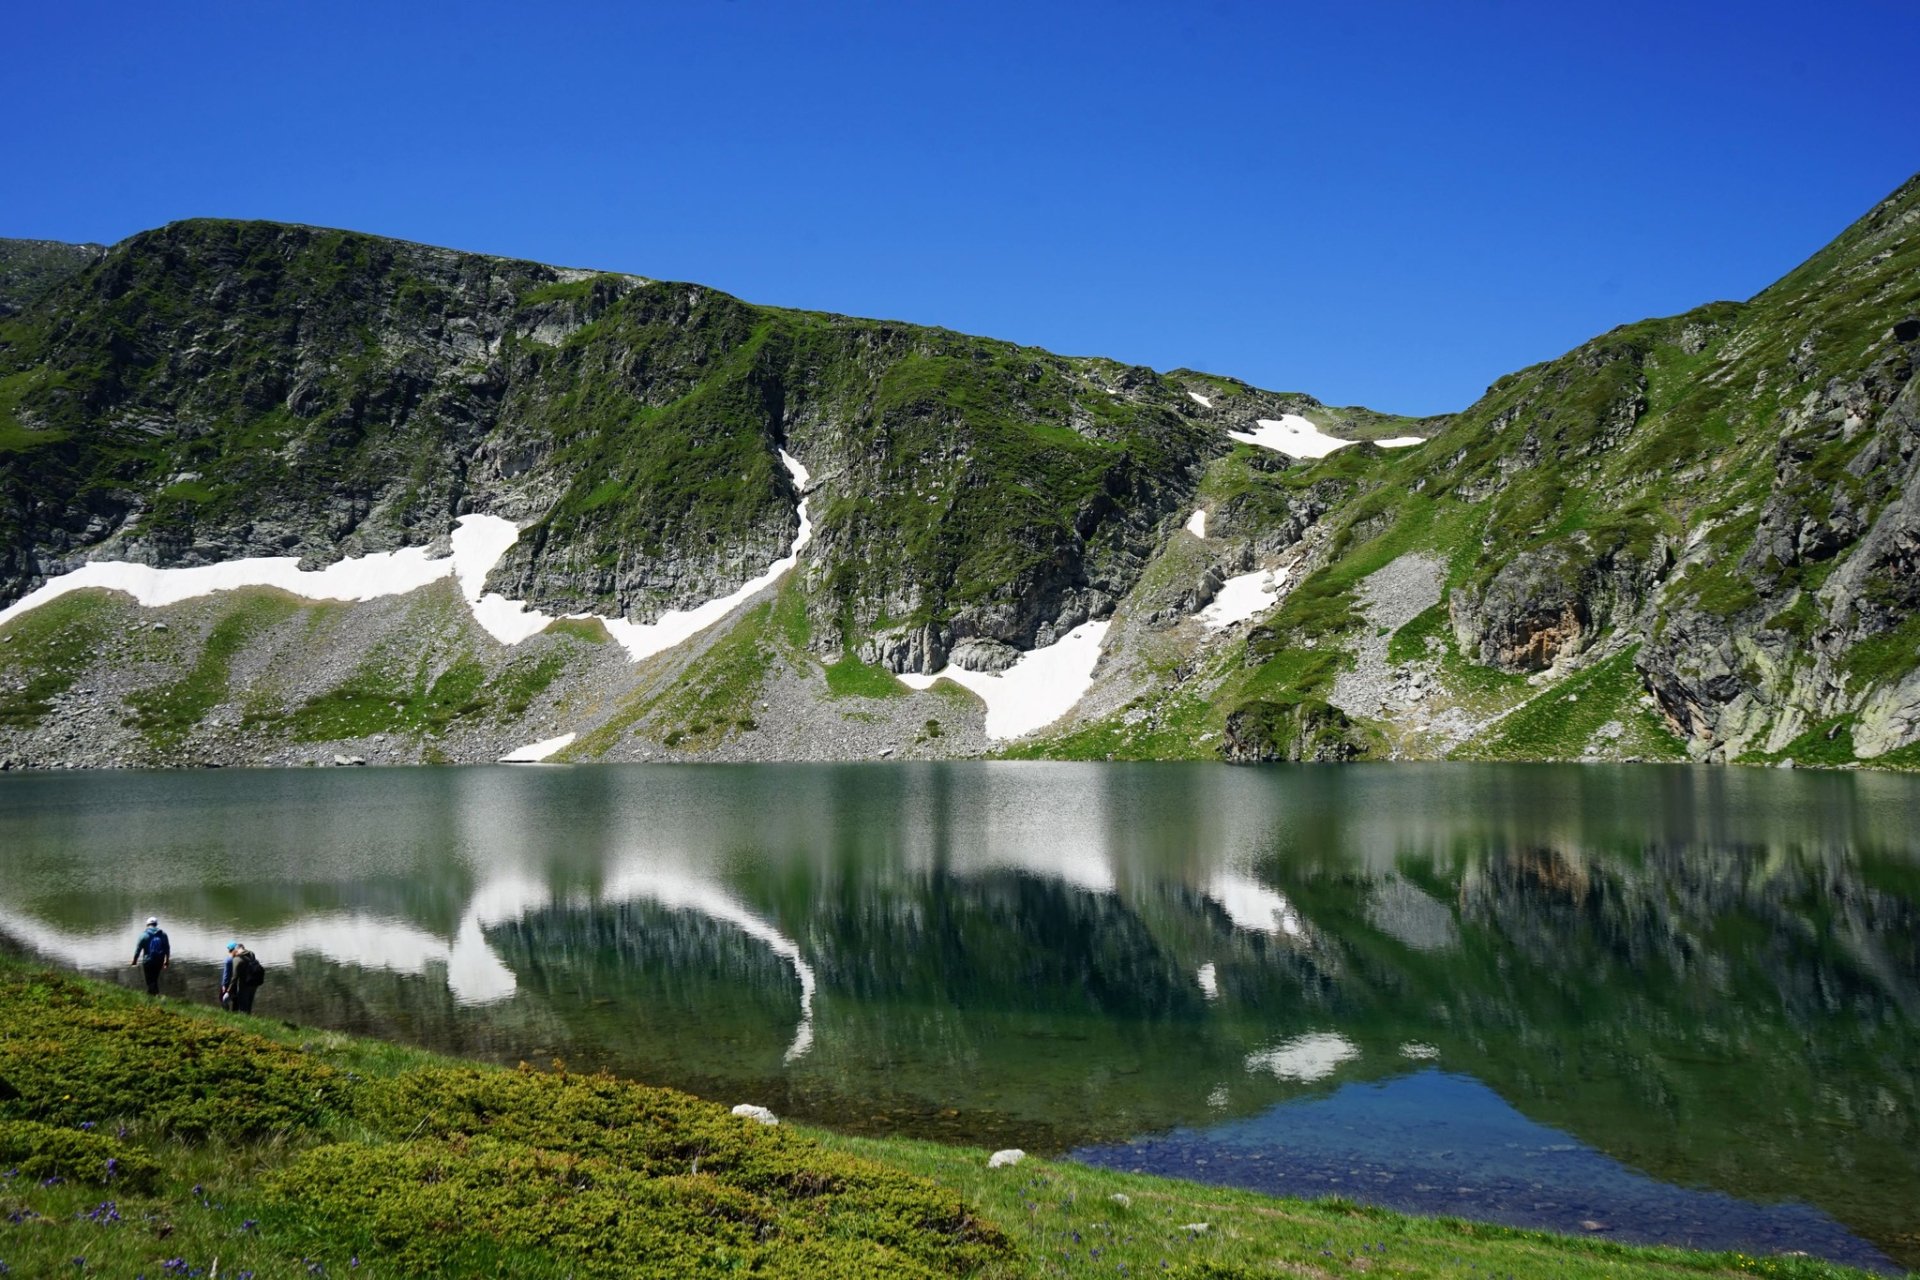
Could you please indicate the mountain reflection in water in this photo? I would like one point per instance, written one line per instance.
(1710, 976)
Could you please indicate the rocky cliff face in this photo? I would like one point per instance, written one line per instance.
(1688, 538)
(213, 390)
(30, 269)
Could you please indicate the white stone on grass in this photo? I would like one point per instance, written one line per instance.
(1004, 1159)
(1197, 523)
(750, 1111)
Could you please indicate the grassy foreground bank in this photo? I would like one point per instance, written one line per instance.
(142, 1140)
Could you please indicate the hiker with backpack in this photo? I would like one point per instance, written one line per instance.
(240, 978)
(152, 953)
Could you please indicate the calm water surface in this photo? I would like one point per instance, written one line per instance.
(1655, 1003)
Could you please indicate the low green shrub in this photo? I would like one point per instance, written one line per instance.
(37, 1151)
(661, 1134)
(74, 1058)
(417, 1204)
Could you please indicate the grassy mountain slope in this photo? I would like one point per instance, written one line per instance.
(1693, 536)
(1721, 508)
(215, 389)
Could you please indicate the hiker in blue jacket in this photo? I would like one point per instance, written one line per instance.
(153, 953)
(239, 978)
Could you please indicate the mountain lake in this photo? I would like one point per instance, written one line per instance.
(1662, 1004)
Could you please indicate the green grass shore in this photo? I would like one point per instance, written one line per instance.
(154, 1140)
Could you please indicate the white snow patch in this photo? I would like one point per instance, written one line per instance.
(534, 752)
(1419, 1052)
(1244, 596)
(1197, 523)
(385, 573)
(1209, 980)
(478, 543)
(1253, 906)
(1307, 1058)
(1400, 442)
(1201, 400)
(1036, 690)
(1292, 435)
(511, 621)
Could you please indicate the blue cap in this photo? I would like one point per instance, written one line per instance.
(232, 945)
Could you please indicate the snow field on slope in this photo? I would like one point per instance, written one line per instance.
(478, 543)
(1036, 690)
(1296, 437)
(1243, 596)
(534, 752)
(511, 621)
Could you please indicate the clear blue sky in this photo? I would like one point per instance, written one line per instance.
(1382, 204)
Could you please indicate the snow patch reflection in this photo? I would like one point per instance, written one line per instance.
(1305, 1058)
(1251, 905)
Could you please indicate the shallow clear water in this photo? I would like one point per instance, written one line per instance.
(1677, 1004)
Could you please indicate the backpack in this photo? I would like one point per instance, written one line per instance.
(249, 972)
(158, 948)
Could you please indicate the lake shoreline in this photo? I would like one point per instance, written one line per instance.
(1564, 995)
(1028, 1212)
